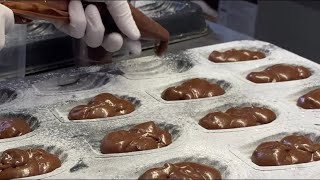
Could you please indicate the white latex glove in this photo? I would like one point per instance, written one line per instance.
(78, 23)
(6, 23)
(121, 13)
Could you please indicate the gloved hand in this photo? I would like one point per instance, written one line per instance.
(6, 23)
(87, 24)
(78, 22)
(121, 13)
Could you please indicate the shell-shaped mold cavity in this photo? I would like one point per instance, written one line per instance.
(7, 95)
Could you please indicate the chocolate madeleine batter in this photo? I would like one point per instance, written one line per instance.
(102, 106)
(182, 170)
(141, 137)
(293, 149)
(234, 55)
(13, 127)
(279, 73)
(192, 89)
(237, 118)
(18, 163)
(311, 100)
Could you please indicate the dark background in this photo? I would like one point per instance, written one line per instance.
(291, 24)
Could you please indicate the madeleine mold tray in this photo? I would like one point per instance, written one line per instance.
(45, 100)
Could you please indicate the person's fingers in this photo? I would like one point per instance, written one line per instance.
(2, 31)
(112, 42)
(121, 13)
(78, 22)
(9, 19)
(95, 28)
(133, 46)
(6, 23)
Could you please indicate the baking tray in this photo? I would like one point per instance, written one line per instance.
(39, 99)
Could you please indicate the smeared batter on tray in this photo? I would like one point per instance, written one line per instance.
(293, 149)
(237, 118)
(192, 89)
(102, 106)
(141, 137)
(19, 163)
(311, 100)
(13, 127)
(234, 55)
(279, 73)
(182, 170)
